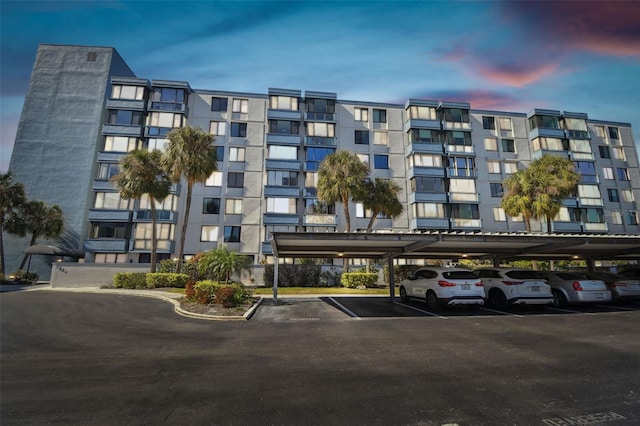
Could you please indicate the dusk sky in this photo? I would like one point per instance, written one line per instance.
(501, 55)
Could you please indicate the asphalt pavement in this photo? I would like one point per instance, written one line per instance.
(107, 359)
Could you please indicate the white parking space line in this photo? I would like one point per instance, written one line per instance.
(502, 312)
(420, 310)
(620, 308)
(344, 308)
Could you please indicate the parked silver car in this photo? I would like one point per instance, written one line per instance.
(619, 286)
(576, 287)
(443, 286)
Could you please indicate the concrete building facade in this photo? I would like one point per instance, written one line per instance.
(86, 109)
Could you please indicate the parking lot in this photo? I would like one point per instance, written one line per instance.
(371, 307)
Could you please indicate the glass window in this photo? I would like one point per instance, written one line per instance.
(425, 160)
(613, 133)
(326, 106)
(488, 123)
(284, 127)
(510, 168)
(499, 215)
(493, 166)
(465, 211)
(456, 115)
(314, 206)
(381, 161)
(168, 94)
(600, 131)
(283, 102)
(220, 153)
(362, 137)
(219, 104)
(157, 144)
(461, 166)
(239, 130)
(361, 114)
(315, 155)
(618, 153)
(575, 124)
(458, 138)
(218, 128)
(236, 154)
(211, 206)
(164, 119)
(490, 144)
(627, 196)
(613, 195)
(426, 184)
(214, 180)
(423, 135)
(379, 115)
(233, 206)
(380, 138)
(607, 172)
(364, 158)
(321, 129)
(544, 121)
(623, 174)
(110, 257)
(616, 217)
(111, 200)
(127, 92)
(282, 178)
(604, 151)
(283, 152)
(231, 234)
(209, 233)
(125, 118)
(107, 170)
(632, 217)
(422, 113)
(235, 180)
(168, 203)
(429, 210)
(496, 190)
(508, 145)
(505, 123)
(121, 143)
(281, 205)
(580, 145)
(109, 230)
(589, 191)
(240, 105)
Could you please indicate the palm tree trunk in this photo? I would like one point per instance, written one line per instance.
(2, 244)
(527, 224)
(347, 216)
(34, 238)
(154, 239)
(185, 223)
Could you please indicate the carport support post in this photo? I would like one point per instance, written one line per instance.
(392, 281)
(275, 279)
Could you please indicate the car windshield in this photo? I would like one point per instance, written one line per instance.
(525, 275)
(459, 275)
(571, 276)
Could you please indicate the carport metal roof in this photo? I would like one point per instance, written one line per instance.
(455, 245)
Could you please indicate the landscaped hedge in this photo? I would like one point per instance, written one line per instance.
(400, 272)
(359, 279)
(228, 295)
(143, 280)
(293, 275)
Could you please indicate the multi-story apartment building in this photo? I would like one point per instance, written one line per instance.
(85, 109)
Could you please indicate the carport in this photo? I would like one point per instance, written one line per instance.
(452, 245)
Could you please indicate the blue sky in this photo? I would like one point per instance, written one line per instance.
(499, 55)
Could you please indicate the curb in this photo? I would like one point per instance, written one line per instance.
(176, 303)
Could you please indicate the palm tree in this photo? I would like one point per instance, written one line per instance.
(381, 196)
(340, 178)
(190, 153)
(517, 200)
(141, 173)
(12, 196)
(41, 221)
(222, 262)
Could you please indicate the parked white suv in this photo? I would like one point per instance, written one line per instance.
(443, 286)
(514, 286)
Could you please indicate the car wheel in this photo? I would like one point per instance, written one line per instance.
(497, 299)
(558, 298)
(432, 301)
(403, 294)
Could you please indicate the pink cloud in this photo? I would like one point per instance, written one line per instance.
(484, 99)
(515, 75)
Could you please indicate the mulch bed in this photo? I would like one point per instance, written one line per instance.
(219, 310)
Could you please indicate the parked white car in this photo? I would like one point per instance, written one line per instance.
(514, 286)
(575, 287)
(443, 286)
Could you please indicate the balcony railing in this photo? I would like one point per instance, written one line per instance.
(320, 220)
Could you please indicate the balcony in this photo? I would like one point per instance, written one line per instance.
(293, 165)
(266, 248)
(163, 246)
(164, 216)
(456, 149)
(428, 197)
(119, 130)
(567, 227)
(588, 202)
(101, 185)
(107, 215)
(320, 116)
(455, 125)
(426, 171)
(425, 147)
(460, 197)
(167, 106)
(421, 124)
(457, 223)
(280, 114)
(105, 245)
(281, 191)
(278, 139)
(128, 104)
(320, 220)
(280, 219)
(110, 157)
(320, 140)
(429, 223)
(578, 134)
(596, 227)
(546, 133)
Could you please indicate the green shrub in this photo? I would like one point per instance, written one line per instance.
(400, 272)
(358, 279)
(131, 280)
(159, 280)
(207, 292)
(306, 275)
(23, 276)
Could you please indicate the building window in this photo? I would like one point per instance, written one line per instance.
(508, 145)
(623, 174)
(364, 158)
(167, 120)
(235, 180)
(236, 154)
(119, 91)
(219, 104)
(632, 218)
(426, 184)
(315, 155)
(618, 153)
(214, 180)
(465, 211)
(429, 210)
(381, 161)
(218, 128)
(110, 258)
(607, 172)
(231, 234)
(157, 144)
(326, 130)
(587, 171)
(604, 151)
(423, 135)
(616, 217)
(240, 105)
(422, 113)
(381, 138)
(456, 115)
(168, 94)
(493, 166)
(544, 121)
(283, 152)
(314, 206)
(549, 144)
(613, 133)
(361, 114)
(510, 168)
(361, 212)
(499, 215)
(461, 166)
(239, 130)
(379, 115)
(281, 205)
(496, 190)
(109, 230)
(209, 233)
(282, 178)
(613, 195)
(284, 127)
(362, 137)
(112, 200)
(167, 204)
(506, 124)
(220, 153)
(211, 206)
(325, 106)
(425, 160)
(488, 123)
(121, 144)
(600, 131)
(490, 144)
(125, 118)
(288, 103)
(627, 196)
(107, 170)
(233, 206)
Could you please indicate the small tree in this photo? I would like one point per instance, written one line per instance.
(12, 197)
(221, 263)
(41, 220)
(381, 196)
